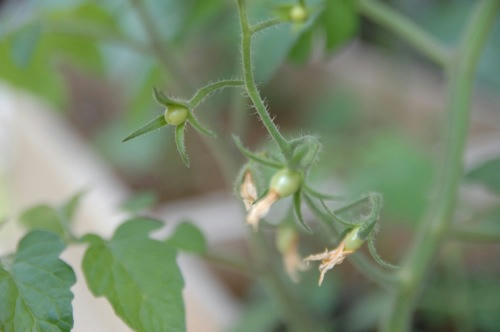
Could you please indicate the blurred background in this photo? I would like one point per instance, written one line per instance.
(76, 78)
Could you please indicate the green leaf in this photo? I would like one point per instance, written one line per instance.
(297, 208)
(35, 286)
(199, 127)
(487, 174)
(188, 237)
(179, 141)
(138, 276)
(154, 124)
(139, 202)
(340, 21)
(44, 217)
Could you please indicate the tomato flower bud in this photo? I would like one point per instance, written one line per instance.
(176, 114)
(349, 244)
(284, 183)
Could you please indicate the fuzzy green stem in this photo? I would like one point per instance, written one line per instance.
(205, 91)
(264, 25)
(251, 87)
(412, 33)
(435, 227)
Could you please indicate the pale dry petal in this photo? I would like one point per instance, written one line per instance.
(317, 257)
(261, 208)
(248, 191)
(329, 259)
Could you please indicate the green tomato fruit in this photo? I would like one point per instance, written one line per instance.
(285, 182)
(352, 241)
(298, 14)
(176, 115)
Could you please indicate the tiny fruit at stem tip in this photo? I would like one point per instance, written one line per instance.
(283, 183)
(298, 14)
(176, 114)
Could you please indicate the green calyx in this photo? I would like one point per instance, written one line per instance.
(286, 182)
(176, 114)
(353, 240)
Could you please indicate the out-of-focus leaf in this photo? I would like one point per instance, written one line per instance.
(188, 237)
(302, 48)
(38, 76)
(397, 169)
(139, 202)
(24, 44)
(340, 22)
(273, 45)
(487, 174)
(35, 286)
(55, 42)
(43, 217)
(139, 276)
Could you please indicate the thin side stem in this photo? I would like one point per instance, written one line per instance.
(406, 29)
(435, 227)
(205, 91)
(251, 87)
(157, 44)
(264, 25)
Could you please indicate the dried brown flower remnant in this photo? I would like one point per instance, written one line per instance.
(261, 208)
(248, 191)
(329, 259)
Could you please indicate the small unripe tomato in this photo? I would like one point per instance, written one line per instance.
(176, 114)
(352, 241)
(298, 14)
(285, 182)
